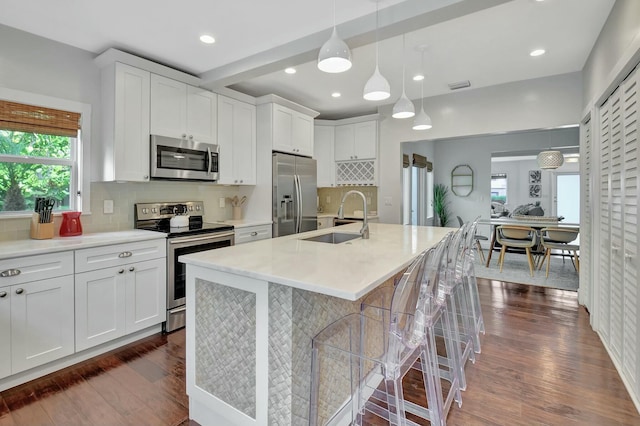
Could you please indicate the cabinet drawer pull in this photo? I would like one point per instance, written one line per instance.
(121, 271)
(254, 233)
(132, 269)
(125, 254)
(19, 291)
(10, 273)
(3, 294)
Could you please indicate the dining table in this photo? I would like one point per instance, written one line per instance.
(535, 222)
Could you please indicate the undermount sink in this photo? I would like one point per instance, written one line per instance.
(333, 238)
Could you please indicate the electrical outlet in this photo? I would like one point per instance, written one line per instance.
(107, 207)
(387, 201)
(221, 202)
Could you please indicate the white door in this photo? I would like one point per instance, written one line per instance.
(146, 294)
(365, 140)
(5, 331)
(323, 153)
(168, 107)
(586, 291)
(244, 143)
(282, 129)
(226, 108)
(303, 134)
(131, 124)
(202, 117)
(42, 322)
(345, 135)
(604, 285)
(100, 306)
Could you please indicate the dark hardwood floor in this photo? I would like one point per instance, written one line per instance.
(541, 364)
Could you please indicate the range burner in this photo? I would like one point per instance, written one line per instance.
(157, 217)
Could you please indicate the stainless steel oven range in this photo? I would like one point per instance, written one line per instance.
(190, 236)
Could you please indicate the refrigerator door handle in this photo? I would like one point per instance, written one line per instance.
(296, 185)
(299, 213)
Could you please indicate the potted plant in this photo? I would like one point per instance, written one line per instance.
(441, 205)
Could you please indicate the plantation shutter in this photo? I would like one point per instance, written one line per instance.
(35, 119)
(615, 222)
(605, 242)
(586, 215)
(631, 128)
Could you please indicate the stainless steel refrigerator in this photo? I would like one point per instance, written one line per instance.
(294, 194)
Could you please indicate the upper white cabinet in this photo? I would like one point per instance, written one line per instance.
(358, 141)
(182, 111)
(125, 125)
(323, 145)
(236, 141)
(287, 126)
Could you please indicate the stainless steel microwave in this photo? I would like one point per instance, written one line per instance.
(183, 159)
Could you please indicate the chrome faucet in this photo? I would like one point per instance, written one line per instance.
(365, 224)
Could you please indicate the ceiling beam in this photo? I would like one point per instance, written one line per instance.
(394, 20)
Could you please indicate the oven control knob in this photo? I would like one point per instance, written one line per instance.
(197, 208)
(190, 208)
(154, 210)
(145, 211)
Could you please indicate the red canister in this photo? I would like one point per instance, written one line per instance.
(71, 225)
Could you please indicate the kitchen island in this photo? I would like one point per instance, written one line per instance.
(253, 309)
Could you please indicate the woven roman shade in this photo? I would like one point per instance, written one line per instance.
(429, 166)
(35, 119)
(405, 161)
(419, 161)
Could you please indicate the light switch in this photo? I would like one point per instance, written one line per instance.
(221, 201)
(107, 207)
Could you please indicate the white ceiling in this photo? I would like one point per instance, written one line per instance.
(484, 41)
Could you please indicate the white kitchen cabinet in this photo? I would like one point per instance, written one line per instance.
(36, 311)
(179, 110)
(119, 289)
(125, 125)
(5, 331)
(292, 131)
(358, 141)
(248, 234)
(323, 147)
(236, 141)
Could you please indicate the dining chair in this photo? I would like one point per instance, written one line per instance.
(477, 238)
(559, 239)
(514, 236)
(359, 361)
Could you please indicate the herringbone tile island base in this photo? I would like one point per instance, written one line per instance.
(541, 364)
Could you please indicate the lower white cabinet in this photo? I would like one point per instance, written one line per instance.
(252, 233)
(37, 323)
(36, 311)
(116, 301)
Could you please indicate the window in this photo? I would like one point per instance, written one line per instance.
(499, 188)
(38, 157)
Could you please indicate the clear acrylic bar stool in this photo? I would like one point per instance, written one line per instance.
(471, 283)
(359, 361)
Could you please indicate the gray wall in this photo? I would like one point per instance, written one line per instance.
(610, 52)
(476, 152)
(524, 105)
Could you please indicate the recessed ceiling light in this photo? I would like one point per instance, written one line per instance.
(418, 77)
(207, 39)
(537, 52)
(290, 70)
(336, 94)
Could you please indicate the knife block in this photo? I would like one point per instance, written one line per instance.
(40, 231)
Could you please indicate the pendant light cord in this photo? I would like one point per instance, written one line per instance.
(334, 14)
(404, 60)
(422, 82)
(377, 1)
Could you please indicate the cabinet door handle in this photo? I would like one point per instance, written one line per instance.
(615, 248)
(146, 177)
(241, 181)
(121, 271)
(10, 273)
(132, 269)
(628, 255)
(254, 234)
(125, 254)
(3, 294)
(19, 291)
(184, 136)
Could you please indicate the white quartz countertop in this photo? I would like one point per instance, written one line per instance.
(18, 248)
(348, 270)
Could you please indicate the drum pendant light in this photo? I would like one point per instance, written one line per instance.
(404, 107)
(377, 87)
(422, 120)
(550, 159)
(334, 56)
